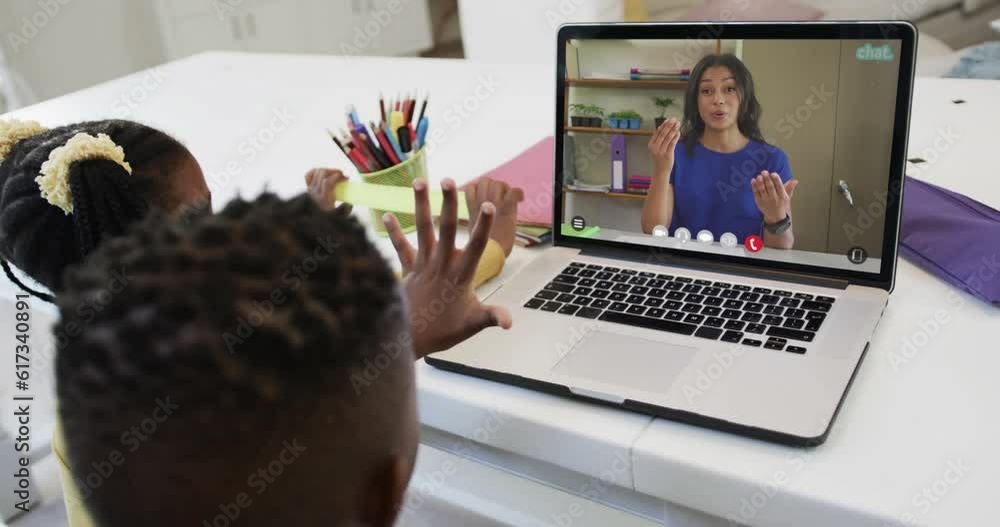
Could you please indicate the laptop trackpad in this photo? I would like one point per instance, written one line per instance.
(630, 362)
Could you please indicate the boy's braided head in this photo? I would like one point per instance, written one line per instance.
(248, 326)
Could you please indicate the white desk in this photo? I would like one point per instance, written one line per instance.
(899, 427)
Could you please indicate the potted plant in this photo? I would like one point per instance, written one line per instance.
(662, 103)
(614, 119)
(629, 119)
(586, 115)
(579, 115)
(596, 115)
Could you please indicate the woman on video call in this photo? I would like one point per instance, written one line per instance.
(714, 171)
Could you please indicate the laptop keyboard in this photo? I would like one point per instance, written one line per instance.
(775, 319)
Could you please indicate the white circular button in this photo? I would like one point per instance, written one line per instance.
(706, 236)
(682, 234)
(728, 240)
(659, 230)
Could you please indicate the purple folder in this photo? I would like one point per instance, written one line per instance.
(953, 237)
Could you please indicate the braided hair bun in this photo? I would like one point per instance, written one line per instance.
(63, 191)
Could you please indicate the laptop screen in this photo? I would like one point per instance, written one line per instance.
(750, 148)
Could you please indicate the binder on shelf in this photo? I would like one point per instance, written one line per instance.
(618, 163)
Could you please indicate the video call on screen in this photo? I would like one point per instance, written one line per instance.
(816, 117)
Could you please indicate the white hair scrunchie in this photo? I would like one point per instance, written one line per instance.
(14, 131)
(54, 180)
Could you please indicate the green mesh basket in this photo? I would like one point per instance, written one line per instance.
(401, 175)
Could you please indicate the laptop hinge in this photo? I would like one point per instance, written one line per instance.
(716, 267)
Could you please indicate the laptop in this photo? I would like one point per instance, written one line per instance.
(736, 284)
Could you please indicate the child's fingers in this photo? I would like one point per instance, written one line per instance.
(491, 316)
(497, 191)
(424, 221)
(484, 190)
(477, 244)
(403, 248)
(310, 176)
(326, 190)
(502, 316)
(511, 197)
(471, 193)
(488, 317)
(448, 225)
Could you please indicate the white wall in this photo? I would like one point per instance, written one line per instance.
(524, 31)
(60, 46)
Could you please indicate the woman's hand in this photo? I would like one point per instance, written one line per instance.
(443, 307)
(773, 198)
(661, 147)
(321, 182)
(505, 198)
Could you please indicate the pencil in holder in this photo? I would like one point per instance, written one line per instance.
(401, 175)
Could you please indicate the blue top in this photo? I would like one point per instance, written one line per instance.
(712, 190)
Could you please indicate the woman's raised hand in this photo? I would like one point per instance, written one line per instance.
(661, 146)
(773, 198)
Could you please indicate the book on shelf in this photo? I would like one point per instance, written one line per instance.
(645, 77)
(639, 181)
(638, 184)
(588, 187)
(651, 71)
(606, 76)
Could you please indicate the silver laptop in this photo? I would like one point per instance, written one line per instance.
(728, 270)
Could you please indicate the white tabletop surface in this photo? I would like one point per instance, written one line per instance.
(899, 429)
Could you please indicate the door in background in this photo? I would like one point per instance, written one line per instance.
(794, 83)
(866, 108)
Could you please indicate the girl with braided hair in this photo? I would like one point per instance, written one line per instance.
(64, 190)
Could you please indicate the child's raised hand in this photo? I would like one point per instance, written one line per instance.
(321, 182)
(505, 198)
(443, 308)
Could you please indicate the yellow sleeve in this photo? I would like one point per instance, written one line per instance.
(77, 514)
(490, 264)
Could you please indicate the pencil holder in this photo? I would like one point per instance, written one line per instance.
(401, 175)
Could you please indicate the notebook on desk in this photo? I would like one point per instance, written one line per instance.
(531, 171)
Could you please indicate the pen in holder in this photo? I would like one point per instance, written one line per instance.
(401, 175)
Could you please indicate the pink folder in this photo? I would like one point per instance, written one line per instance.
(533, 172)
